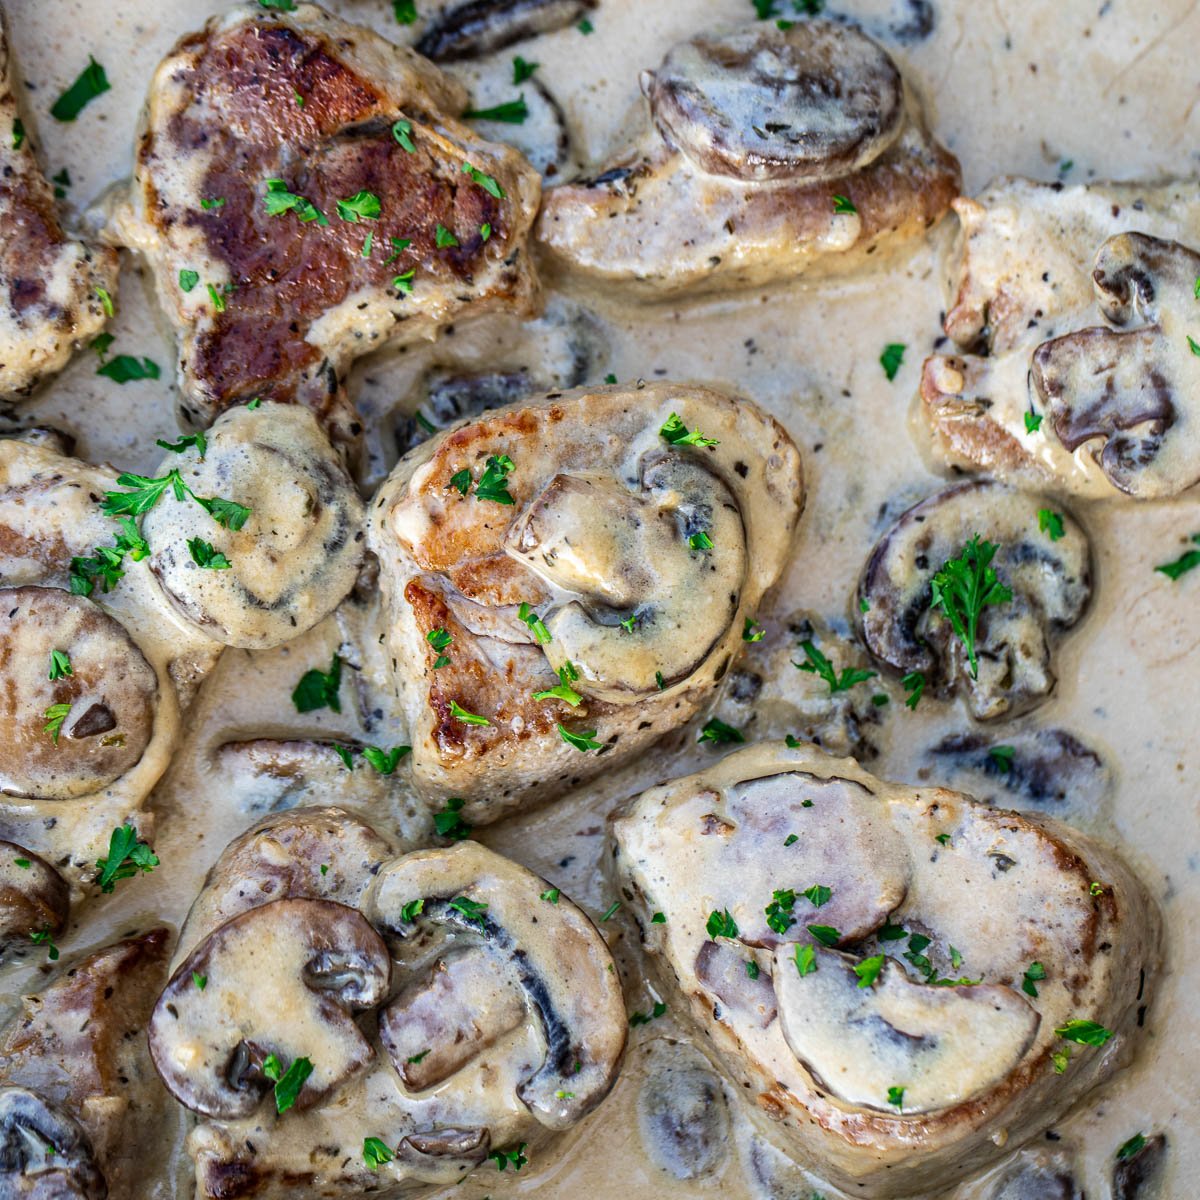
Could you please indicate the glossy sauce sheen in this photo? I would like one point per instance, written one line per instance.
(1106, 88)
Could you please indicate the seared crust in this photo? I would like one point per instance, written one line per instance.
(1068, 903)
(49, 303)
(307, 99)
(453, 562)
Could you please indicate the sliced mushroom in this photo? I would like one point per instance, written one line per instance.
(473, 28)
(297, 554)
(1050, 580)
(318, 853)
(813, 101)
(111, 692)
(1043, 767)
(33, 895)
(1139, 1174)
(682, 1113)
(283, 979)
(941, 1045)
(552, 953)
(725, 974)
(44, 1153)
(1130, 389)
(1038, 1176)
(57, 440)
(632, 556)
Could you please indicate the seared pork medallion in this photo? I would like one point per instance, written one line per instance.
(305, 195)
(566, 579)
(766, 152)
(1075, 318)
(54, 288)
(81, 1109)
(352, 1021)
(969, 590)
(835, 937)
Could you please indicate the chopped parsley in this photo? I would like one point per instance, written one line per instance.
(540, 632)
(208, 203)
(1187, 561)
(896, 1096)
(443, 238)
(45, 937)
(717, 733)
(658, 919)
(491, 482)
(190, 441)
(817, 664)
(779, 911)
(584, 740)
(402, 132)
(1051, 524)
(892, 358)
(964, 587)
(201, 981)
(721, 924)
(467, 718)
(404, 282)
(641, 1018)
(675, 432)
(512, 112)
(825, 934)
(585, 27)
(843, 204)
(1002, 756)
(204, 555)
(505, 1158)
(125, 368)
(568, 673)
(375, 1153)
(127, 855)
(1033, 421)
(362, 206)
(805, 959)
(752, 631)
(55, 715)
(385, 761)
(486, 182)
(319, 689)
(550, 895)
(92, 82)
(278, 200)
(287, 1083)
(472, 911)
(914, 684)
(700, 541)
(439, 639)
(449, 824)
(106, 564)
(60, 665)
(1034, 974)
(1086, 1033)
(868, 970)
(410, 912)
(216, 298)
(751, 968)
(818, 895)
(280, 5)
(18, 133)
(1133, 1146)
(523, 70)
(399, 245)
(405, 11)
(106, 301)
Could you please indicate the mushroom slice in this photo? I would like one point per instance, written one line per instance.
(1138, 1175)
(883, 966)
(635, 556)
(810, 102)
(1049, 577)
(110, 695)
(291, 561)
(283, 979)
(756, 139)
(287, 299)
(50, 283)
(33, 895)
(1130, 389)
(318, 853)
(44, 1153)
(941, 1045)
(473, 28)
(552, 953)
(560, 566)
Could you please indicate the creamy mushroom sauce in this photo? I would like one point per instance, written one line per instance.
(1081, 90)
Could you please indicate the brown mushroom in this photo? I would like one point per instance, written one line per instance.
(811, 101)
(33, 895)
(283, 979)
(74, 733)
(472, 28)
(1049, 578)
(1126, 393)
(291, 560)
(1139, 1168)
(44, 1153)
(502, 947)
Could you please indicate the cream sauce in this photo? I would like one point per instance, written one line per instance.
(1014, 89)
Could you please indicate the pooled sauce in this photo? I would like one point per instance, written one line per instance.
(1078, 91)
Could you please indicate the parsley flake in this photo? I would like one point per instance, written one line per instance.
(205, 556)
(1187, 561)
(92, 82)
(892, 358)
(127, 855)
(467, 718)
(676, 433)
(512, 112)
(60, 665)
(584, 740)
(964, 587)
(721, 924)
(1051, 524)
(55, 715)
(843, 204)
(817, 664)
(362, 206)
(717, 733)
(486, 182)
(375, 1153)
(319, 689)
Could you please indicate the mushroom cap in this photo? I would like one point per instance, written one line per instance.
(627, 554)
(1051, 582)
(943, 1045)
(811, 102)
(550, 955)
(297, 555)
(112, 691)
(473, 28)
(1126, 394)
(44, 1153)
(32, 897)
(282, 979)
